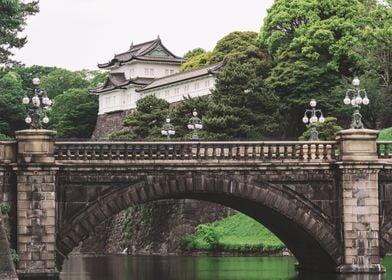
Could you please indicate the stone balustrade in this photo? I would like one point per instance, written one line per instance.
(262, 151)
(384, 149)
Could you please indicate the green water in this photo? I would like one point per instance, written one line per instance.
(123, 267)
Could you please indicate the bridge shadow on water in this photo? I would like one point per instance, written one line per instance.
(124, 267)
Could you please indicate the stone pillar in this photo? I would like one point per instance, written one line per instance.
(359, 201)
(36, 177)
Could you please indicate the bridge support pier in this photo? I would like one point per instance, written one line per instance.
(359, 201)
(36, 177)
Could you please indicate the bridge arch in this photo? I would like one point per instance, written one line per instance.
(300, 224)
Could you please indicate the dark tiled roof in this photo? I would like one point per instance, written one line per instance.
(144, 51)
(167, 80)
(118, 80)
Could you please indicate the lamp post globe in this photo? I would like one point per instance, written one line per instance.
(37, 104)
(313, 116)
(168, 129)
(195, 124)
(356, 101)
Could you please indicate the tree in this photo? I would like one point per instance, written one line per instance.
(196, 61)
(193, 53)
(243, 107)
(326, 130)
(147, 121)
(61, 80)
(13, 14)
(312, 44)
(28, 73)
(12, 111)
(375, 46)
(74, 114)
(183, 112)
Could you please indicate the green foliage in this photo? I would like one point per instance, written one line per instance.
(377, 113)
(95, 77)
(127, 225)
(13, 14)
(28, 73)
(147, 121)
(14, 256)
(74, 114)
(135, 216)
(196, 61)
(326, 130)
(193, 53)
(183, 112)
(60, 80)
(312, 43)
(5, 208)
(385, 134)
(12, 111)
(243, 107)
(209, 235)
(4, 137)
(375, 44)
(235, 233)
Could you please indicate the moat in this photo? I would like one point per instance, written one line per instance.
(124, 267)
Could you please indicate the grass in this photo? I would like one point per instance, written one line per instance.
(237, 233)
(385, 134)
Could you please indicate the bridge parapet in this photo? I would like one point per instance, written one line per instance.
(384, 149)
(69, 152)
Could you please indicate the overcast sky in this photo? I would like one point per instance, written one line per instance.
(78, 34)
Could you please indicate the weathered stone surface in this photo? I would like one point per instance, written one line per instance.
(319, 201)
(7, 269)
(108, 123)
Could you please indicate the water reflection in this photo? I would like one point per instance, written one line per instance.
(120, 267)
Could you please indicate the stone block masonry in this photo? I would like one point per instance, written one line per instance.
(36, 221)
(35, 185)
(360, 201)
(7, 269)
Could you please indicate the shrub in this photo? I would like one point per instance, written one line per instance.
(5, 208)
(14, 256)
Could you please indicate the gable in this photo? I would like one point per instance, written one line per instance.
(159, 51)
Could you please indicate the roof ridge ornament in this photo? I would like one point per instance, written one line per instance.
(131, 46)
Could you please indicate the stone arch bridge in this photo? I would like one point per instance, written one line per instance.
(329, 202)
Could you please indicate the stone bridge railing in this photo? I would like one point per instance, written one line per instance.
(263, 151)
(256, 150)
(384, 149)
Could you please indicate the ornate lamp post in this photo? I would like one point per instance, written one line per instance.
(356, 102)
(168, 129)
(195, 124)
(310, 116)
(37, 103)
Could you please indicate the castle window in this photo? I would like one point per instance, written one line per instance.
(166, 72)
(196, 85)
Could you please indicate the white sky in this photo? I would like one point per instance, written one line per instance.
(78, 34)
